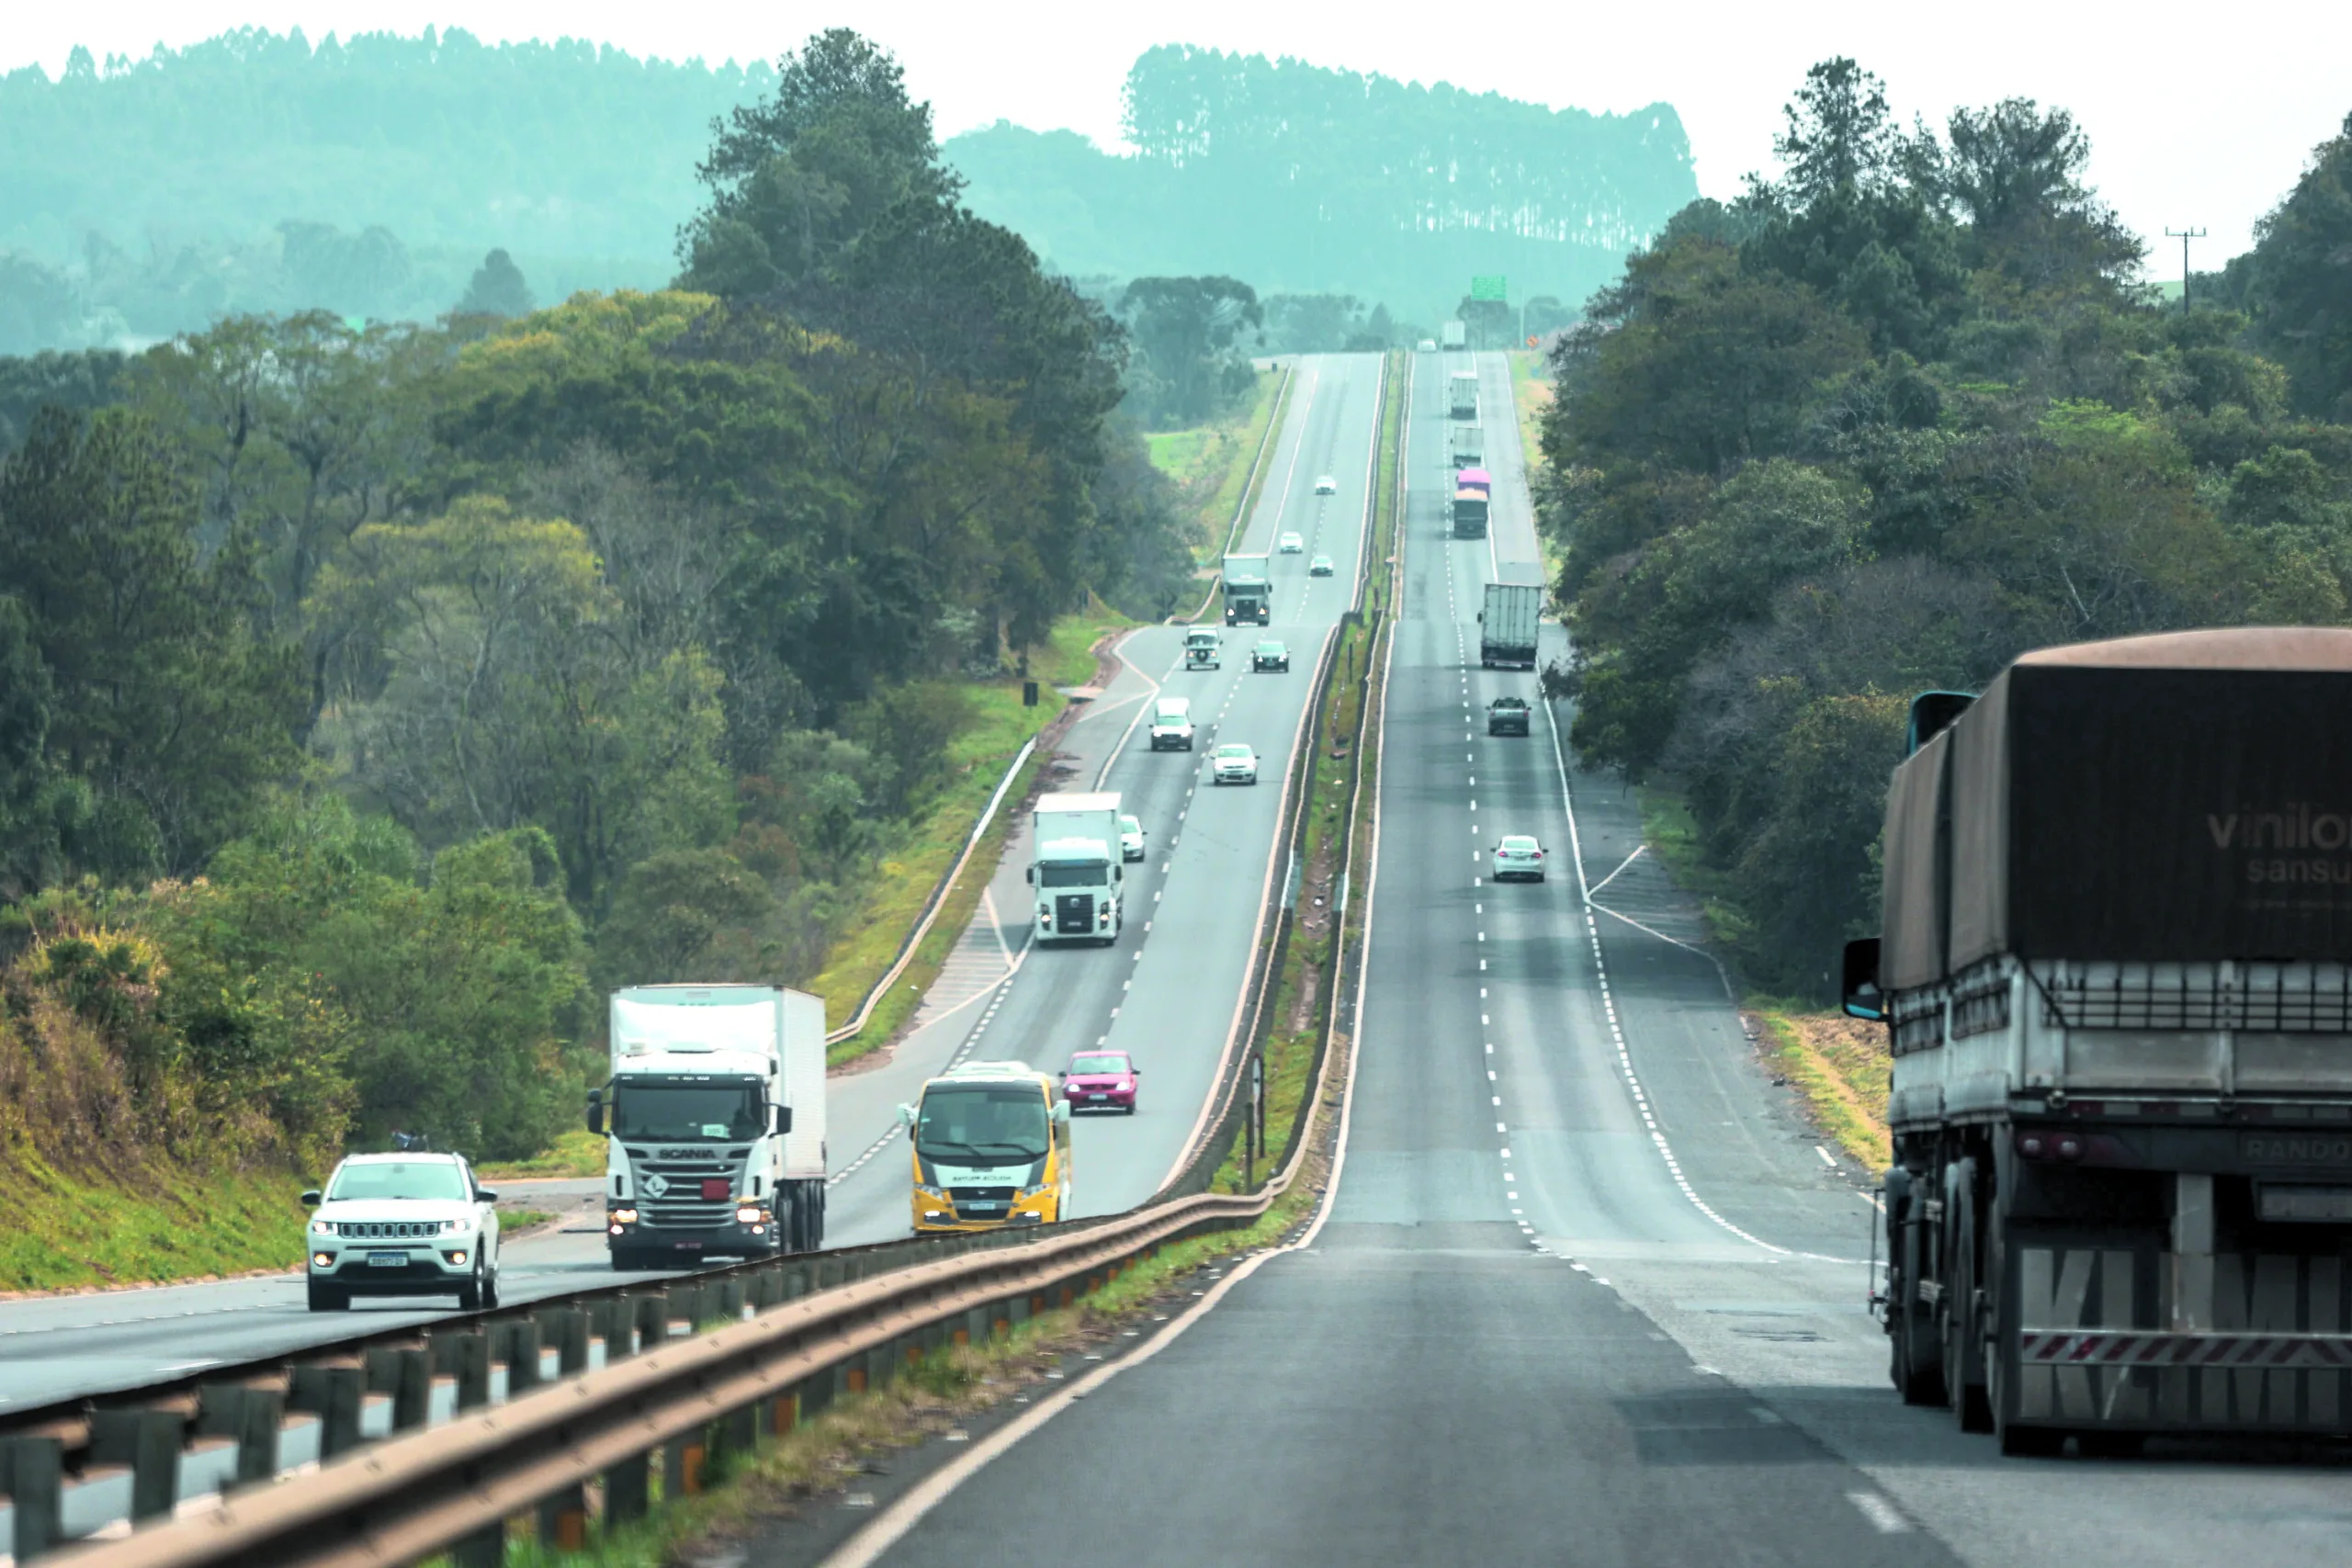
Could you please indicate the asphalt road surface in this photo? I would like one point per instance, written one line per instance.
(1589, 1291)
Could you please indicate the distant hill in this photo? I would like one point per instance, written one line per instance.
(1302, 179)
(248, 171)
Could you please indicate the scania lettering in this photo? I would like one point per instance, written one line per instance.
(2121, 1193)
(1076, 868)
(715, 1123)
(991, 1149)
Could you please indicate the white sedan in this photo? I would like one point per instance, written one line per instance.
(1234, 765)
(1130, 838)
(1327, 485)
(1293, 545)
(1519, 857)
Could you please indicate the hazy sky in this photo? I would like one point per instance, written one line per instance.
(2205, 123)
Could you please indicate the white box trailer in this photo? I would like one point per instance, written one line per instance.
(714, 1115)
(1076, 868)
(1508, 620)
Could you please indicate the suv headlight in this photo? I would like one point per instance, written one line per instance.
(323, 1227)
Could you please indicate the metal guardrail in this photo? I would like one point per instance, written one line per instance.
(938, 901)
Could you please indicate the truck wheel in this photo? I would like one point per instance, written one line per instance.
(1963, 1326)
(1918, 1355)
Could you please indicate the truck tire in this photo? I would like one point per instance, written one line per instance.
(1918, 1354)
(1963, 1326)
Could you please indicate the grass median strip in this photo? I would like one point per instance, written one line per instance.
(1841, 1065)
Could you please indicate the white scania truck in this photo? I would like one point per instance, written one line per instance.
(1076, 868)
(716, 1121)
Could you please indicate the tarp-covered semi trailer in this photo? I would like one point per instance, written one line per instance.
(2116, 965)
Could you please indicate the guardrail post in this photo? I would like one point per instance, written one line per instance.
(731, 1298)
(251, 1413)
(798, 1282)
(881, 1364)
(652, 1319)
(816, 1394)
(404, 1372)
(613, 1320)
(1017, 1309)
(626, 1490)
(518, 1343)
(566, 1328)
(976, 1327)
(486, 1548)
(563, 1519)
(332, 1391)
(464, 1354)
(783, 1413)
(736, 1435)
(682, 1459)
(34, 1464)
(148, 1439)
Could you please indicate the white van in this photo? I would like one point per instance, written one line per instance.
(1172, 724)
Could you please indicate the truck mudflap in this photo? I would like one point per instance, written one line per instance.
(2135, 1339)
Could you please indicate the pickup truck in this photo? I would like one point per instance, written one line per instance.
(1507, 715)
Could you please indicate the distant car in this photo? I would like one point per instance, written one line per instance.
(1292, 544)
(1519, 858)
(1234, 765)
(1320, 567)
(1172, 724)
(1101, 1080)
(1507, 715)
(1270, 654)
(1327, 485)
(1130, 838)
(1427, 346)
(403, 1224)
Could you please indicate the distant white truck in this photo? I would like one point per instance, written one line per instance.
(1076, 868)
(715, 1122)
(1463, 396)
(1455, 335)
(1469, 447)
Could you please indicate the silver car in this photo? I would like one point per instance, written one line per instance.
(1293, 545)
(1327, 485)
(405, 1224)
(1234, 765)
(1519, 858)
(1130, 838)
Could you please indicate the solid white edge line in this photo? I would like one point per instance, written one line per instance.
(1119, 749)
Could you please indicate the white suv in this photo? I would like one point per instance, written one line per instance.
(405, 1224)
(1233, 765)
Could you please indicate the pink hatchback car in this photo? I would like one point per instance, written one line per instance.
(1101, 1080)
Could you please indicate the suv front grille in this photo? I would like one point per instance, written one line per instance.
(388, 1230)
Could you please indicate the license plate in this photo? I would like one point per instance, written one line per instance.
(388, 1260)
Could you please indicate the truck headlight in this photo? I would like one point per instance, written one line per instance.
(1044, 911)
(749, 1215)
(939, 1193)
(623, 1216)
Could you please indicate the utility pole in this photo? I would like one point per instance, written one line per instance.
(2184, 236)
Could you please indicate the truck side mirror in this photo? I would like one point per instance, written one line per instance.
(595, 1117)
(906, 1116)
(779, 1119)
(310, 1198)
(1032, 874)
(1863, 998)
(1061, 1112)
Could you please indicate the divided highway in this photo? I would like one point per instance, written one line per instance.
(1587, 1290)
(1168, 992)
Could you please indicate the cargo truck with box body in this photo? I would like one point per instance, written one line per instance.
(1454, 335)
(714, 1118)
(1076, 868)
(1249, 591)
(1462, 400)
(1508, 618)
(1467, 513)
(2115, 963)
(1469, 445)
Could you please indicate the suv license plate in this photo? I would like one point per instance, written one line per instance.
(388, 1260)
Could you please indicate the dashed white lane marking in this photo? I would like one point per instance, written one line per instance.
(1884, 1515)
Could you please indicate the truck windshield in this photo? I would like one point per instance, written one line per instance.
(976, 1122)
(1085, 873)
(427, 1180)
(730, 1112)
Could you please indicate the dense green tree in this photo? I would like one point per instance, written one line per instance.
(497, 289)
(1191, 336)
(2299, 281)
(164, 704)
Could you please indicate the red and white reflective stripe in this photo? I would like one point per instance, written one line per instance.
(2132, 1348)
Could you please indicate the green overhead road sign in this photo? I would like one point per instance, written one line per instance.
(1488, 289)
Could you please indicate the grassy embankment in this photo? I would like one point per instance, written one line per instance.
(1531, 395)
(1840, 1064)
(1211, 468)
(1301, 1010)
(904, 881)
(157, 1221)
